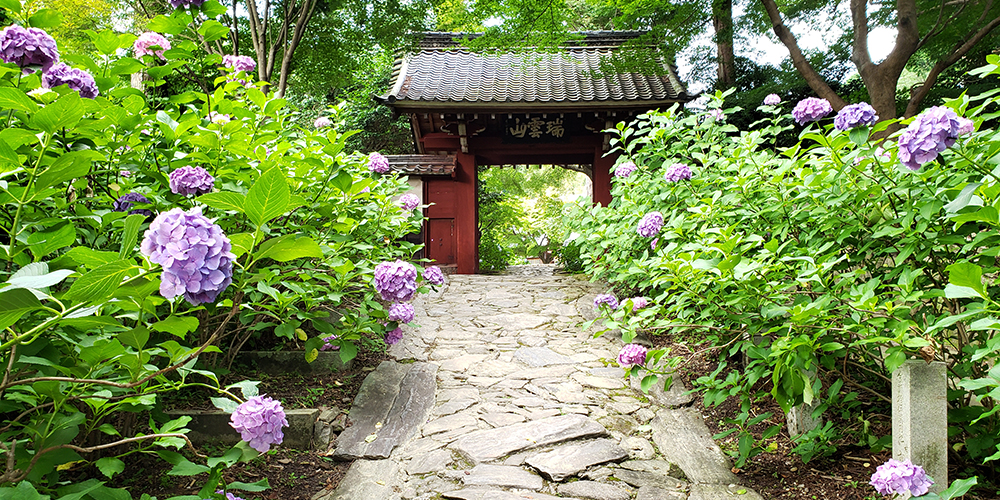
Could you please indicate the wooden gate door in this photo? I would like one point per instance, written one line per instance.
(441, 242)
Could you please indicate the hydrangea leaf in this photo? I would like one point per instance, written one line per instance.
(268, 198)
(288, 247)
(13, 305)
(176, 325)
(258, 486)
(109, 466)
(225, 404)
(101, 282)
(12, 98)
(15, 7)
(224, 200)
(968, 275)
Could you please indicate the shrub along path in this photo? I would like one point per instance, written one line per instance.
(499, 395)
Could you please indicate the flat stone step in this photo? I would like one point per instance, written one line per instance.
(490, 444)
(502, 476)
(212, 426)
(491, 494)
(392, 403)
(592, 490)
(683, 438)
(367, 480)
(571, 459)
(722, 492)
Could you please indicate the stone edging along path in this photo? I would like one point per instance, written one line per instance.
(499, 395)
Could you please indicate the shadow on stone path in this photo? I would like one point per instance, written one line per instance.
(499, 395)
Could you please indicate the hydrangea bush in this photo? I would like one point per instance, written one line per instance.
(106, 305)
(817, 270)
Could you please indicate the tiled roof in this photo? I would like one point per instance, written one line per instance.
(441, 74)
(423, 164)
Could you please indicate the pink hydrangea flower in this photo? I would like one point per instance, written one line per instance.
(650, 224)
(772, 100)
(239, 63)
(401, 313)
(188, 180)
(899, 478)
(625, 169)
(811, 109)
(328, 344)
(394, 336)
(607, 299)
(639, 303)
(632, 354)
(677, 172)
(144, 45)
(409, 201)
(259, 421)
(378, 163)
(322, 122)
(396, 281)
(433, 275)
(965, 126)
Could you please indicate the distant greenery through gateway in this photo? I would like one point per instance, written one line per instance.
(520, 212)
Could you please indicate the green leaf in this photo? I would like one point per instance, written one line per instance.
(859, 135)
(136, 337)
(52, 239)
(187, 468)
(985, 214)
(65, 112)
(963, 199)
(12, 98)
(107, 41)
(85, 257)
(109, 466)
(967, 275)
(126, 66)
(288, 247)
(37, 276)
(225, 404)
(15, 7)
(100, 283)
(224, 200)
(348, 351)
(24, 491)
(268, 198)
(131, 234)
(254, 487)
(958, 488)
(8, 157)
(71, 165)
(169, 25)
(241, 243)
(211, 9)
(45, 18)
(177, 325)
(213, 30)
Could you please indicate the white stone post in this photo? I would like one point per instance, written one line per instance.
(799, 419)
(920, 418)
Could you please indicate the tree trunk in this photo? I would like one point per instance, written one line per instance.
(722, 20)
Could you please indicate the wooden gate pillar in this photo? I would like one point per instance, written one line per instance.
(602, 176)
(466, 213)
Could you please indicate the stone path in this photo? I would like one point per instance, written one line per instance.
(499, 395)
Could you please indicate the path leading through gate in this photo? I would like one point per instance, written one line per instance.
(500, 395)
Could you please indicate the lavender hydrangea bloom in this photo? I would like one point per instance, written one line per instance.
(394, 336)
(965, 126)
(650, 224)
(143, 45)
(259, 421)
(855, 115)
(930, 133)
(716, 114)
(229, 496)
(606, 298)
(772, 100)
(625, 169)
(239, 63)
(434, 276)
(396, 281)
(194, 253)
(401, 313)
(811, 109)
(328, 344)
(190, 180)
(632, 354)
(378, 163)
(322, 122)
(895, 477)
(77, 79)
(28, 47)
(677, 172)
(639, 303)
(409, 201)
(177, 4)
(124, 204)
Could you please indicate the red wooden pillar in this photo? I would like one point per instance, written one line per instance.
(468, 246)
(602, 176)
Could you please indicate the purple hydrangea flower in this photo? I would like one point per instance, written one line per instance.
(433, 275)
(772, 100)
(652, 244)
(189, 180)
(811, 109)
(177, 4)
(401, 313)
(259, 421)
(229, 496)
(677, 172)
(625, 169)
(650, 224)
(895, 477)
(409, 201)
(328, 344)
(639, 303)
(632, 354)
(716, 114)
(194, 253)
(144, 45)
(124, 204)
(855, 115)
(396, 281)
(77, 79)
(378, 163)
(965, 126)
(28, 47)
(239, 63)
(322, 122)
(394, 336)
(930, 133)
(607, 299)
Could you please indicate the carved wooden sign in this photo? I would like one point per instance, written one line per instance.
(536, 129)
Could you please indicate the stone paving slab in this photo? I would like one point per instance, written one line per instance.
(491, 444)
(368, 479)
(571, 459)
(502, 476)
(683, 438)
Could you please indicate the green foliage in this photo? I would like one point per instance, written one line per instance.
(822, 266)
(87, 337)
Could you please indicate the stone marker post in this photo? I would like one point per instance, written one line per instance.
(799, 419)
(920, 418)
